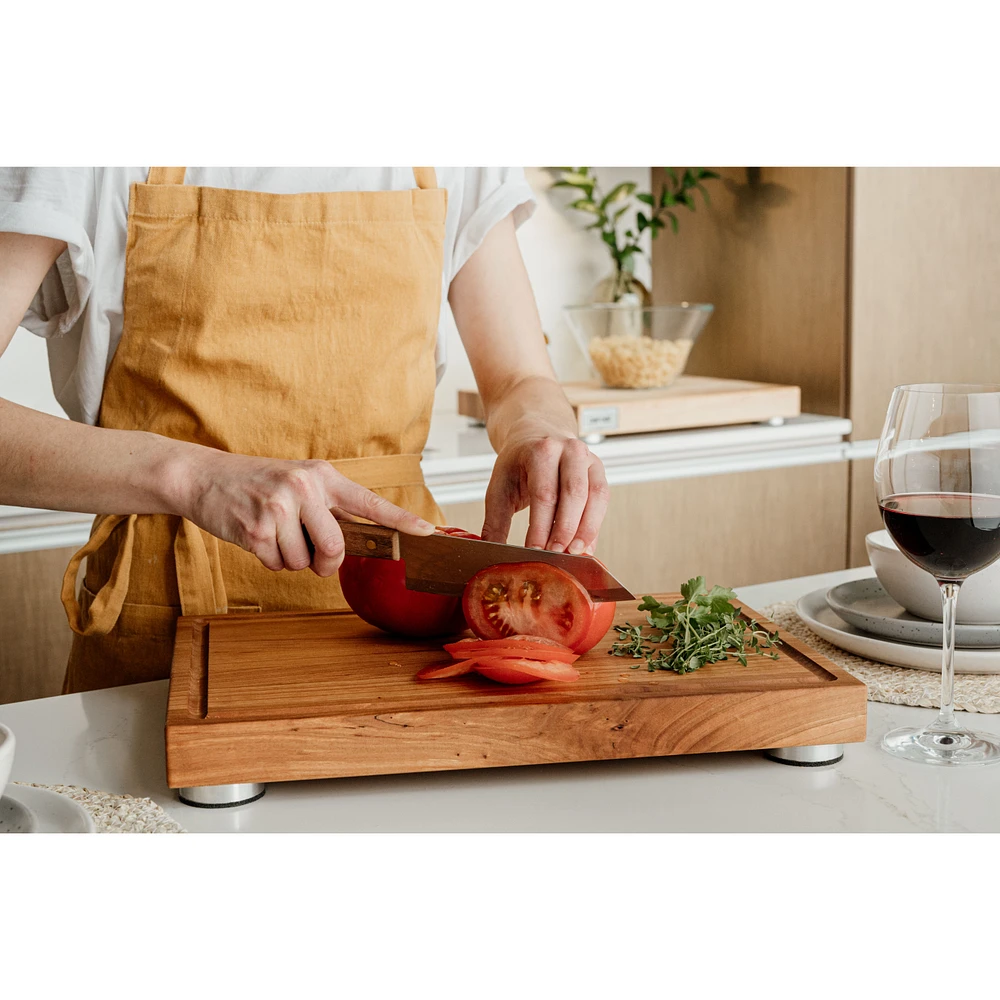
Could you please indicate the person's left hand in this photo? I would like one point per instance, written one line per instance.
(562, 482)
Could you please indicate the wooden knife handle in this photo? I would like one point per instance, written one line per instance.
(369, 540)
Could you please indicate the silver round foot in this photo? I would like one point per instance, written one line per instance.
(221, 796)
(814, 756)
(775, 422)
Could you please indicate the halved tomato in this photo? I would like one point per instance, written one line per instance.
(604, 615)
(376, 591)
(530, 598)
(531, 647)
(509, 670)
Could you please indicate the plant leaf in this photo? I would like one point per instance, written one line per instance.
(585, 205)
(646, 199)
(641, 222)
(618, 192)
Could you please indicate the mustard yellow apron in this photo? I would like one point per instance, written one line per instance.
(297, 326)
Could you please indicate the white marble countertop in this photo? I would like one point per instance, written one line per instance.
(458, 461)
(113, 741)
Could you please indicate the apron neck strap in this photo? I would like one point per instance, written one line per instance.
(425, 177)
(166, 175)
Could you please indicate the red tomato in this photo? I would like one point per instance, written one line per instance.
(376, 591)
(530, 647)
(604, 615)
(510, 670)
(529, 598)
(447, 670)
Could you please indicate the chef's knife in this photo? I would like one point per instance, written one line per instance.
(442, 564)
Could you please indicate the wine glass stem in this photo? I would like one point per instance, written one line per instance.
(949, 606)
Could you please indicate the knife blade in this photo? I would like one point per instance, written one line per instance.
(443, 564)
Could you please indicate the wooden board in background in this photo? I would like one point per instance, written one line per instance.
(692, 401)
(286, 697)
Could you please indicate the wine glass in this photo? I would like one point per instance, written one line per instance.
(937, 480)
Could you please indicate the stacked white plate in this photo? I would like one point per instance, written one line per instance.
(863, 619)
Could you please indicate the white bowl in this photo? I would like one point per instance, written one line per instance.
(917, 591)
(6, 756)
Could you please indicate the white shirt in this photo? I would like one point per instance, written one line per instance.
(79, 305)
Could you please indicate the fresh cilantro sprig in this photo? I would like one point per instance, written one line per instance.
(702, 627)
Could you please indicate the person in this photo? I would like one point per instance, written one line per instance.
(248, 353)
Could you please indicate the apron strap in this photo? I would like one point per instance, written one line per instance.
(166, 175)
(425, 177)
(107, 605)
(199, 574)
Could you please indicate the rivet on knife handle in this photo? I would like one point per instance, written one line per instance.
(372, 540)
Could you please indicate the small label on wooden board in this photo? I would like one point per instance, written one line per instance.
(597, 418)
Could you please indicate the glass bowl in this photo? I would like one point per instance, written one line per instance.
(637, 347)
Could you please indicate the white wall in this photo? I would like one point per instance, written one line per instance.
(564, 263)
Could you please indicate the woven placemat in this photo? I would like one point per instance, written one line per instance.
(894, 685)
(117, 813)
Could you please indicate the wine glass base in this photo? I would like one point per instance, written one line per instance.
(952, 747)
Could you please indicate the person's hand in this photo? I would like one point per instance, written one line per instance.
(562, 482)
(263, 504)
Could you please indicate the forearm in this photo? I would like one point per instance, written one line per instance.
(58, 464)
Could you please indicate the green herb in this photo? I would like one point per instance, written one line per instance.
(652, 213)
(702, 627)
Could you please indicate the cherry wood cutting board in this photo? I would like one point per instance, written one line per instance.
(692, 401)
(289, 696)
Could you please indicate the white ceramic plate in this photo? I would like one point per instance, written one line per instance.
(24, 809)
(866, 605)
(824, 621)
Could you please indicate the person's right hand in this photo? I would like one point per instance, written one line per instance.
(263, 504)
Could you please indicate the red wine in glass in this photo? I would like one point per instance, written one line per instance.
(950, 535)
(937, 483)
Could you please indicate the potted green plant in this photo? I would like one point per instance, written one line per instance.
(620, 235)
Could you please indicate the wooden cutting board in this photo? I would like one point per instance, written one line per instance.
(692, 401)
(283, 697)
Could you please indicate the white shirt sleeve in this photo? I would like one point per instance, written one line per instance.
(60, 203)
(489, 195)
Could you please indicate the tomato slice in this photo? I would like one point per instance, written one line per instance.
(531, 598)
(446, 670)
(511, 670)
(531, 647)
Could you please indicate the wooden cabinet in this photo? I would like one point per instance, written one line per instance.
(846, 282)
(34, 635)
